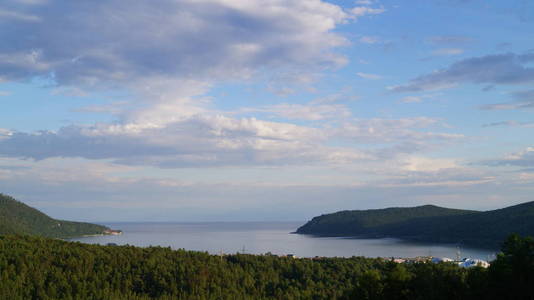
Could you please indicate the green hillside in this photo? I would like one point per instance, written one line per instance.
(19, 218)
(428, 223)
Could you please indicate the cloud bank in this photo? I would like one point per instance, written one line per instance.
(117, 43)
(217, 140)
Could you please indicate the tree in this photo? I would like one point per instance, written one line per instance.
(511, 275)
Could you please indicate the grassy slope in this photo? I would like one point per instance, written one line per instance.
(19, 218)
(429, 223)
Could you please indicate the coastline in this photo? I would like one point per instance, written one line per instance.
(408, 240)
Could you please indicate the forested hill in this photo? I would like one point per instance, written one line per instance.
(19, 218)
(366, 221)
(428, 223)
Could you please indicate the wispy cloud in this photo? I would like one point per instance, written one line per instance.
(361, 11)
(412, 99)
(417, 99)
(510, 123)
(522, 100)
(369, 39)
(524, 158)
(496, 69)
(447, 51)
(369, 76)
(449, 40)
(17, 16)
(365, 2)
(308, 112)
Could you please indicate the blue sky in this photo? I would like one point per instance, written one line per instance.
(264, 110)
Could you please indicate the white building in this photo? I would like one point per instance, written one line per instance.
(471, 262)
(438, 260)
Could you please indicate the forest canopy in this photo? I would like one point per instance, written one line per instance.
(40, 268)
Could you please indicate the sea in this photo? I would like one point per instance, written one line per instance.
(274, 238)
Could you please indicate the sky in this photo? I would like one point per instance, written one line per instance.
(264, 110)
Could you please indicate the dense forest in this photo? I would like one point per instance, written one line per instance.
(428, 224)
(40, 268)
(18, 218)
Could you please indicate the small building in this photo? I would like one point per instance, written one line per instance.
(471, 262)
(438, 260)
(112, 232)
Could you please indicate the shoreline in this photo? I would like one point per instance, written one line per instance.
(407, 240)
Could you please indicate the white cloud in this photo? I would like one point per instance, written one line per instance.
(360, 11)
(524, 157)
(4, 133)
(207, 139)
(309, 112)
(192, 141)
(169, 56)
(364, 2)
(125, 44)
(391, 130)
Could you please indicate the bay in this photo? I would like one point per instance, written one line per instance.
(270, 237)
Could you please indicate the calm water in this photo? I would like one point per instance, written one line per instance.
(260, 238)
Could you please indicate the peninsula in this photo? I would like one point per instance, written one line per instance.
(21, 219)
(428, 223)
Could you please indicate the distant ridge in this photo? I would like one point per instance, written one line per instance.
(19, 218)
(428, 223)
